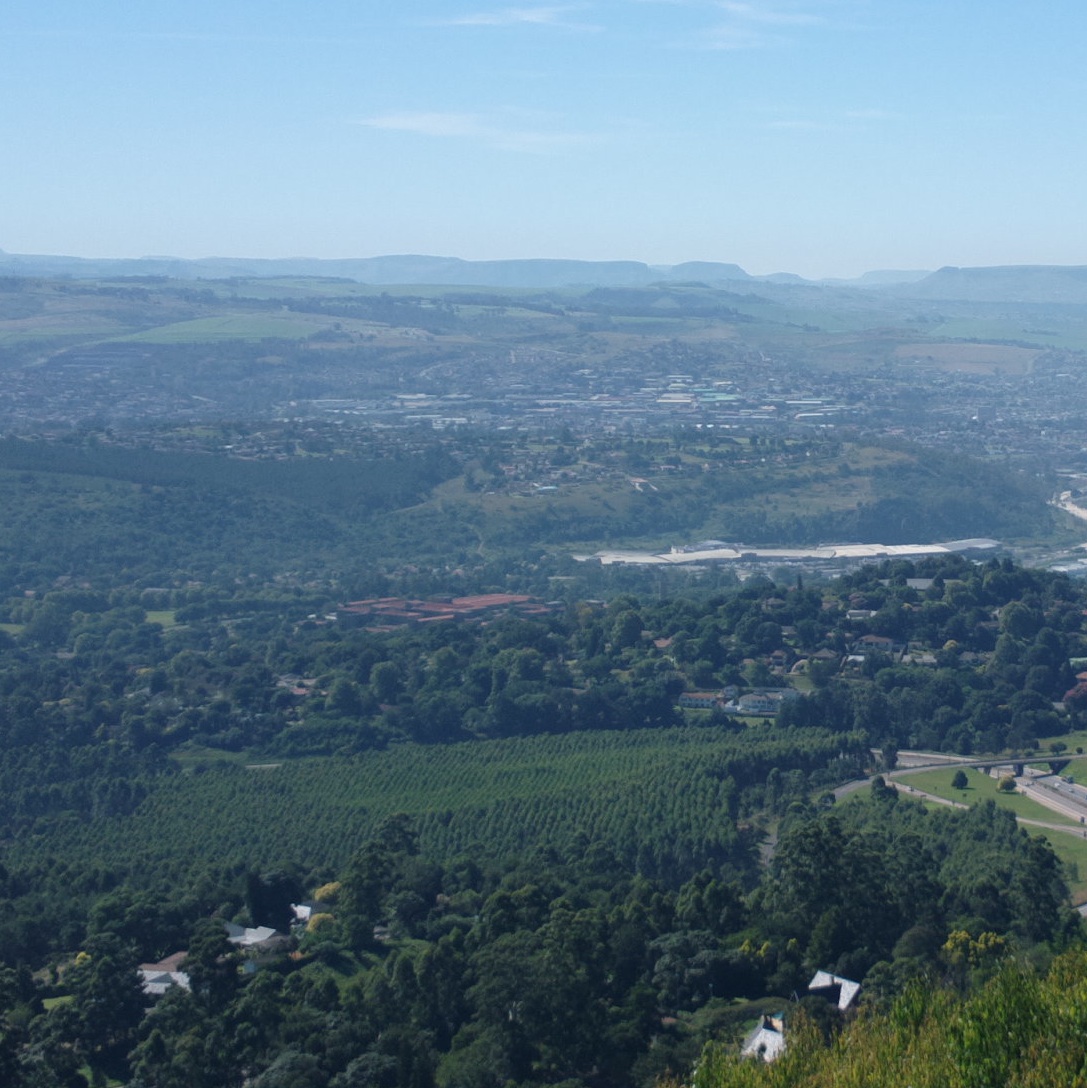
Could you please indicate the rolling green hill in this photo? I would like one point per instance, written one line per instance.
(83, 507)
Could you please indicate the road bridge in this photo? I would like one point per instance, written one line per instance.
(930, 761)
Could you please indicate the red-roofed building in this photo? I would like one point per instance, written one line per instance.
(400, 611)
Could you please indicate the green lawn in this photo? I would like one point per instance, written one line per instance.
(1071, 741)
(12, 628)
(163, 617)
(982, 788)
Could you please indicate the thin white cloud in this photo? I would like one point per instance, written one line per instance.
(477, 127)
(765, 13)
(427, 124)
(871, 115)
(729, 36)
(800, 126)
(849, 119)
(557, 16)
(755, 24)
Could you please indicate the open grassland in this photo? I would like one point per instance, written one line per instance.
(1069, 331)
(969, 357)
(1071, 741)
(231, 327)
(1072, 850)
(60, 335)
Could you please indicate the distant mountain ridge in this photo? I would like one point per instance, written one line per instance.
(418, 269)
(396, 269)
(1010, 283)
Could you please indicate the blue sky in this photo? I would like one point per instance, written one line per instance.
(824, 137)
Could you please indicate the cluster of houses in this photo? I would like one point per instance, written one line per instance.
(851, 661)
(757, 703)
(257, 942)
(767, 1040)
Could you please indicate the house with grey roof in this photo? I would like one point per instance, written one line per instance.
(767, 1040)
(840, 992)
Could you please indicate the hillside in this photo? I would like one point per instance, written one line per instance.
(519, 850)
(1044, 284)
(1022, 1029)
(96, 506)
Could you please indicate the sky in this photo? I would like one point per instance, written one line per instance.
(821, 137)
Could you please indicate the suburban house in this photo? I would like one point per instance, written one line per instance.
(160, 977)
(868, 643)
(840, 992)
(763, 703)
(305, 910)
(250, 937)
(767, 1041)
(701, 700)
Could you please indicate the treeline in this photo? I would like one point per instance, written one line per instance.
(117, 516)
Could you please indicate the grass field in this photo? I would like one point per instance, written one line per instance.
(1062, 334)
(1071, 741)
(970, 357)
(1070, 848)
(229, 327)
(163, 617)
(1073, 852)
